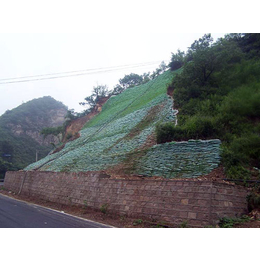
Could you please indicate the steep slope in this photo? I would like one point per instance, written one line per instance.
(20, 129)
(76, 125)
(121, 139)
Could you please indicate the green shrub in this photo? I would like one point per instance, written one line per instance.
(198, 127)
(253, 201)
(229, 158)
(217, 93)
(184, 224)
(85, 204)
(137, 222)
(242, 150)
(238, 172)
(230, 222)
(168, 132)
(104, 208)
(194, 128)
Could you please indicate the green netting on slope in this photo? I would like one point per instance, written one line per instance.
(118, 117)
(132, 99)
(123, 126)
(180, 159)
(167, 114)
(82, 156)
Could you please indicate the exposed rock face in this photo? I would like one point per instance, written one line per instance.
(20, 130)
(56, 117)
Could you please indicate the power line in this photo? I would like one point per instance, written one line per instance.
(77, 71)
(73, 73)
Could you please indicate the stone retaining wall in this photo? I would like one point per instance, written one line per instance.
(200, 203)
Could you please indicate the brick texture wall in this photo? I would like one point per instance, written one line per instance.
(200, 203)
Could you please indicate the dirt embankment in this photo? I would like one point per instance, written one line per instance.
(76, 125)
(72, 130)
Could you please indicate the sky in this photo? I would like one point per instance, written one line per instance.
(29, 54)
(54, 36)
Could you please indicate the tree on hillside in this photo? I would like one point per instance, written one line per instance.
(131, 80)
(197, 79)
(5, 166)
(201, 44)
(6, 148)
(71, 115)
(177, 60)
(146, 77)
(218, 96)
(161, 69)
(98, 92)
(249, 43)
(117, 89)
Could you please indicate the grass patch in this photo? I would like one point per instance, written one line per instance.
(104, 208)
(231, 222)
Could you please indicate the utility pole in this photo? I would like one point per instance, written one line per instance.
(36, 159)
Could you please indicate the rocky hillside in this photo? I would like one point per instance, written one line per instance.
(20, 130)
(121, 139)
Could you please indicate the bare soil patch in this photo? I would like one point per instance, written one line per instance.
(251, 224)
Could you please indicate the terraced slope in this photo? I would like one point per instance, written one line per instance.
(121, 138)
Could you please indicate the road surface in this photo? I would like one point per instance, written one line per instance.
(18, 214)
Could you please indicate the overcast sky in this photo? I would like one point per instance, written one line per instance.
(53, 36)
(35, 54)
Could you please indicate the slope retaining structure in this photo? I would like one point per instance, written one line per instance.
(119, 135)
(200, 203)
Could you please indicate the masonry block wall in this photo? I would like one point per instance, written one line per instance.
(200, 203)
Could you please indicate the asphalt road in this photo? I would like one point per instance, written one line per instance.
(18, 214)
